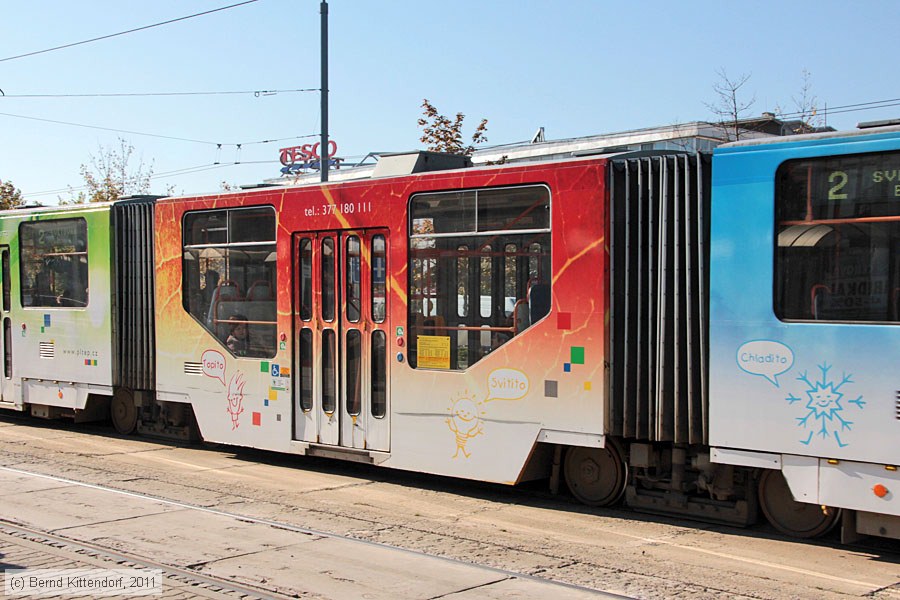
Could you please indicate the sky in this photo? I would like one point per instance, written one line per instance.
(576, 68)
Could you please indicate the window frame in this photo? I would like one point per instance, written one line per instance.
(24, 257)
(227, 246)
(525, 238)
(784, 301)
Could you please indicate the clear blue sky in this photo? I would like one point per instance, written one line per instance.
(577, 68)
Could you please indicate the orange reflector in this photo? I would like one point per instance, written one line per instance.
(833, 461)
(880, 490)
(890, 468)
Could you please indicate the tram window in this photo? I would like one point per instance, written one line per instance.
(7, 348)
(379, 279)
(486, 282)
(379, 373)
(229, 275)
(54, 263)
(534, 262)
(354, 372)
(6, 280)
(353, 284)
(510, 277)
(837, 248)
(306, 369)
(328, 281)
(306, 279)
(329, 372)
(462, 282)
(467, 271)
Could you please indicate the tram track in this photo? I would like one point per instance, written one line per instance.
(55, 543)
(523, 532)
(238, 587)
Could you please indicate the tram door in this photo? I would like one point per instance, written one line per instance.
(341, 327)
(6, 387)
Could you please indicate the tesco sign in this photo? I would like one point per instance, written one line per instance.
(307, 156)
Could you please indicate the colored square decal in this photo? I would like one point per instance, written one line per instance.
(551, 388)
(577, 355)
(42, 329)
(46, 320)
(587, 386)
(273, 394)
(87, 362)
(257, 418)
(264, 366)
(567, 367)
(285, 372)
(265, 402)
(564, 320)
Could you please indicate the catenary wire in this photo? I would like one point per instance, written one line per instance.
(159, 94)
(111, 35)
(156, 135)
(173, 173)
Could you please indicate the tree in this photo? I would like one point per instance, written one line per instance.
(10, 196)
(730, 107)
(806, 117)
(444, 135)
(109, 177)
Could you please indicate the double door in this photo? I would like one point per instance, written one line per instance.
(6, 387)
(341, 326)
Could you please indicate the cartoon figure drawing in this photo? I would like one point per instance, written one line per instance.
(465, 423)
(825, 406)
(236, 398)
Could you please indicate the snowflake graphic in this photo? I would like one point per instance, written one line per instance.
(824, 406)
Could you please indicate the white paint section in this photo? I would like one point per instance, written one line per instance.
(745, 458)
(852, 485)
(572, 438)
(802, 476)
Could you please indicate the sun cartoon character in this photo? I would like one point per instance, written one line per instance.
(824, 406)
(235, 398)
(465, 422)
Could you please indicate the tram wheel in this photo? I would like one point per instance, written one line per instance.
(596, 476)
(797, 519)
(123, 412)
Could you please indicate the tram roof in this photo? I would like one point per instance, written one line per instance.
(861, 131)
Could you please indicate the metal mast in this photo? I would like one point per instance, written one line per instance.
(324, 161)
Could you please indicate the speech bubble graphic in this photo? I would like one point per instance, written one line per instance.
(507, 384)
(765, 358)
(214, 365)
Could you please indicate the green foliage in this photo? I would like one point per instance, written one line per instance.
(441, 134)
(10, 196)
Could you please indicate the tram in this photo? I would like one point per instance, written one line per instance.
(704, 336)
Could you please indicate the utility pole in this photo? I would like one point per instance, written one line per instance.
(324, 159)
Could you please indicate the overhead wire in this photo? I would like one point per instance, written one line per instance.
(173, 173)
(846, 108)
(167, 137)
(155, 135)
(111, 35)
(256, 93)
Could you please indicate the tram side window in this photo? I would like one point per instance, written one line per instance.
(54, 263)
(479, 267)
(837, 255)
(229, 277)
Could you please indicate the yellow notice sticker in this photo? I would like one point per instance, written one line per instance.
(433, 351)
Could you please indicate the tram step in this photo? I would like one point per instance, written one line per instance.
(370, 457)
